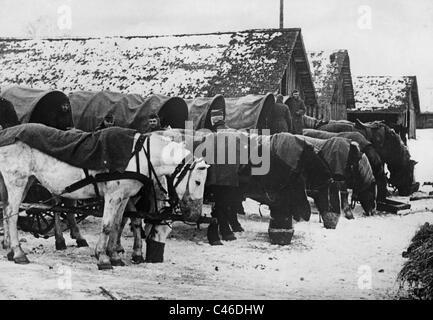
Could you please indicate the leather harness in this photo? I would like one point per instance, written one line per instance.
(181, 171)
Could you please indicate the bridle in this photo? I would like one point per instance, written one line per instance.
(184, 168)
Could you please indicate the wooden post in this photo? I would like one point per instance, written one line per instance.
(281, 14)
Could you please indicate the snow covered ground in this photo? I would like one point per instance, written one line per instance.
(358, 260)
(421, 150)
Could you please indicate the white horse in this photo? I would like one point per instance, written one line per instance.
(20, 164)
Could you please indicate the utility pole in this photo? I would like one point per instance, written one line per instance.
(281, 14)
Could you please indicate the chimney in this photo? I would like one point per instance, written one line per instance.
(281, 14)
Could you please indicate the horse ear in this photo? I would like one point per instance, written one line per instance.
(359, 124)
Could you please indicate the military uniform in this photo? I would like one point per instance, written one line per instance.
(297, 110)
(281, 119)
(228, 201)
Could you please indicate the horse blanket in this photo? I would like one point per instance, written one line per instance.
(354, 136)
(288, 148)
(338, 126)
(335, 151)
(105, 149)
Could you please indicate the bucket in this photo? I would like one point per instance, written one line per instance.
(281, 237)
(330, 219)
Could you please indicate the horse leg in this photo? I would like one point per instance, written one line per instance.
(212, 230)
(232, 210)
(75, 231)
(221, 212)
(16, 192)
(3, 220)
(155, 242)
(345, 202)
(334, 197)
(6, 236)
(119, 247)
(58, 234)
(137, 254)
(113, 204)
(112, 252)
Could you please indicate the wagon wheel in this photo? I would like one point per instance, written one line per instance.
(37, 222)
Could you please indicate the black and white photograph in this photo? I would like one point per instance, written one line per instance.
(203, 150)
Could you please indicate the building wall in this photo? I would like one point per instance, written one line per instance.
(411, 121)
(292, 81)
(424, 121)
(338, 107)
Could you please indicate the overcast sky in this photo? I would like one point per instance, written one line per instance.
(397, 40)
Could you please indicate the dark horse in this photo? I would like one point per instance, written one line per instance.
(389, 146)
(366, 147)
(350, 169)
(292, 161)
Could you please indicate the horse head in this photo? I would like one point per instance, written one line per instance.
(361, 179)
(394, 153)
(186, 175)
(319, 178)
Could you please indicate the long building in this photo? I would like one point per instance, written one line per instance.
(392, 99)
(233, 64)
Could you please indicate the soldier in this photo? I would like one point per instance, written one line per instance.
(107, 122)
(154, 122)
(297, 109)
(228, 200)
(281, 120)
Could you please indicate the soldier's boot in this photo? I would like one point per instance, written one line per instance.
(212, 233)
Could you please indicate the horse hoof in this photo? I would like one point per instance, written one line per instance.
(117, 263)
(60, 245)
(10, 256)
(137, 259)
(82, 243)
(21, 260)
(105, 266)
(228, 237)
(216, 243)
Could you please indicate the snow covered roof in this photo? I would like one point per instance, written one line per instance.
(326, 68)
(233, 63)
(385, 93)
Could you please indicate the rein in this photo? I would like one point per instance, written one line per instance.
(181, 170)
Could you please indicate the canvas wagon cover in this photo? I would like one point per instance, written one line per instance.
(249, 112)
(199, 110)
(25, 100)
(129, 110)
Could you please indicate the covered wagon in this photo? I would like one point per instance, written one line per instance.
(49, 107)
(129, 110)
